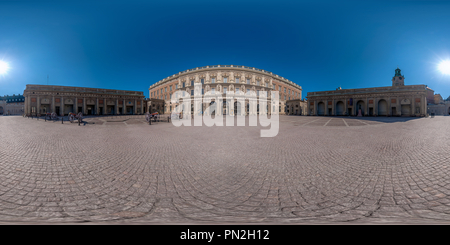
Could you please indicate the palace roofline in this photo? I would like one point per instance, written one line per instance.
(216, 67)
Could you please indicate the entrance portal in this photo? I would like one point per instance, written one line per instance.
(321, 109)
(339, 108)
(382, 108)
(110, 110)
(67, 109)
(406, 110)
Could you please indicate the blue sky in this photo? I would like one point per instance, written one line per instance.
(130, 45)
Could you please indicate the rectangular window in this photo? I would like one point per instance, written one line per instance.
(161, 91)
(285, 97)
(225, 79)
(279, 88)
(192, 92)
(224, 90)
(213, 80)
(203, 91)
(176, 86)
(237, 79)
(170, 87)
(257, 83)
(248, 81)
(257, 92)
(213, 90)
(170, 96)
(184, 84)
(289, 91)
(192, 83)
(274, 87)
(202, 81)
(184, 93)
(157, 92)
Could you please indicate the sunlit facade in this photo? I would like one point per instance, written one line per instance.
(224, 79)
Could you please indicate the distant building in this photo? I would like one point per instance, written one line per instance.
(296, 107)
(12, 105)
(396, 100)
(90, 101)
(438, 99)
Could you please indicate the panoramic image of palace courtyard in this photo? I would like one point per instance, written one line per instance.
(90, 101)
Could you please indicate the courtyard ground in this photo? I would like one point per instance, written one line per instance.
(316, 170)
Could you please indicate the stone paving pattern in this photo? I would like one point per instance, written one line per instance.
(317, 170)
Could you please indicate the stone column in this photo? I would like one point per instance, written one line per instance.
(124, 107)
(84, 105)
(76, 105)
(96, 107)
(117, 106)
(29, 104)
(375, 107)
(333, 108)
(413, 108)
(346, 101)
(38, 105)
(53, 103)
(315, 111)
(326, 108)
(104, 106)
(135, 107)
(366, 111)
(61, 109)
(142, 107)
(389, 105)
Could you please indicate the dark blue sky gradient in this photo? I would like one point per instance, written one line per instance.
(130, 45)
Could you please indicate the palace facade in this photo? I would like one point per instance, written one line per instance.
(41, 99)
(396, 100)
(221, 79)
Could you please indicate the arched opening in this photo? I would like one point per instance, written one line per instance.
(212, 108)
(340, 108)
(382, 108)
(237, 108)
(360, 107)
(225, 106)
(321, 109)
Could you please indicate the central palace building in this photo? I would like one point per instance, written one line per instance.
(223, 78)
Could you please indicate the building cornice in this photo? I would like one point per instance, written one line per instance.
(225, 67)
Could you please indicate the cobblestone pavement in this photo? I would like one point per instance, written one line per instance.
(317, 170)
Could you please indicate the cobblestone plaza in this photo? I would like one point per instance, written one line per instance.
(316, 170)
